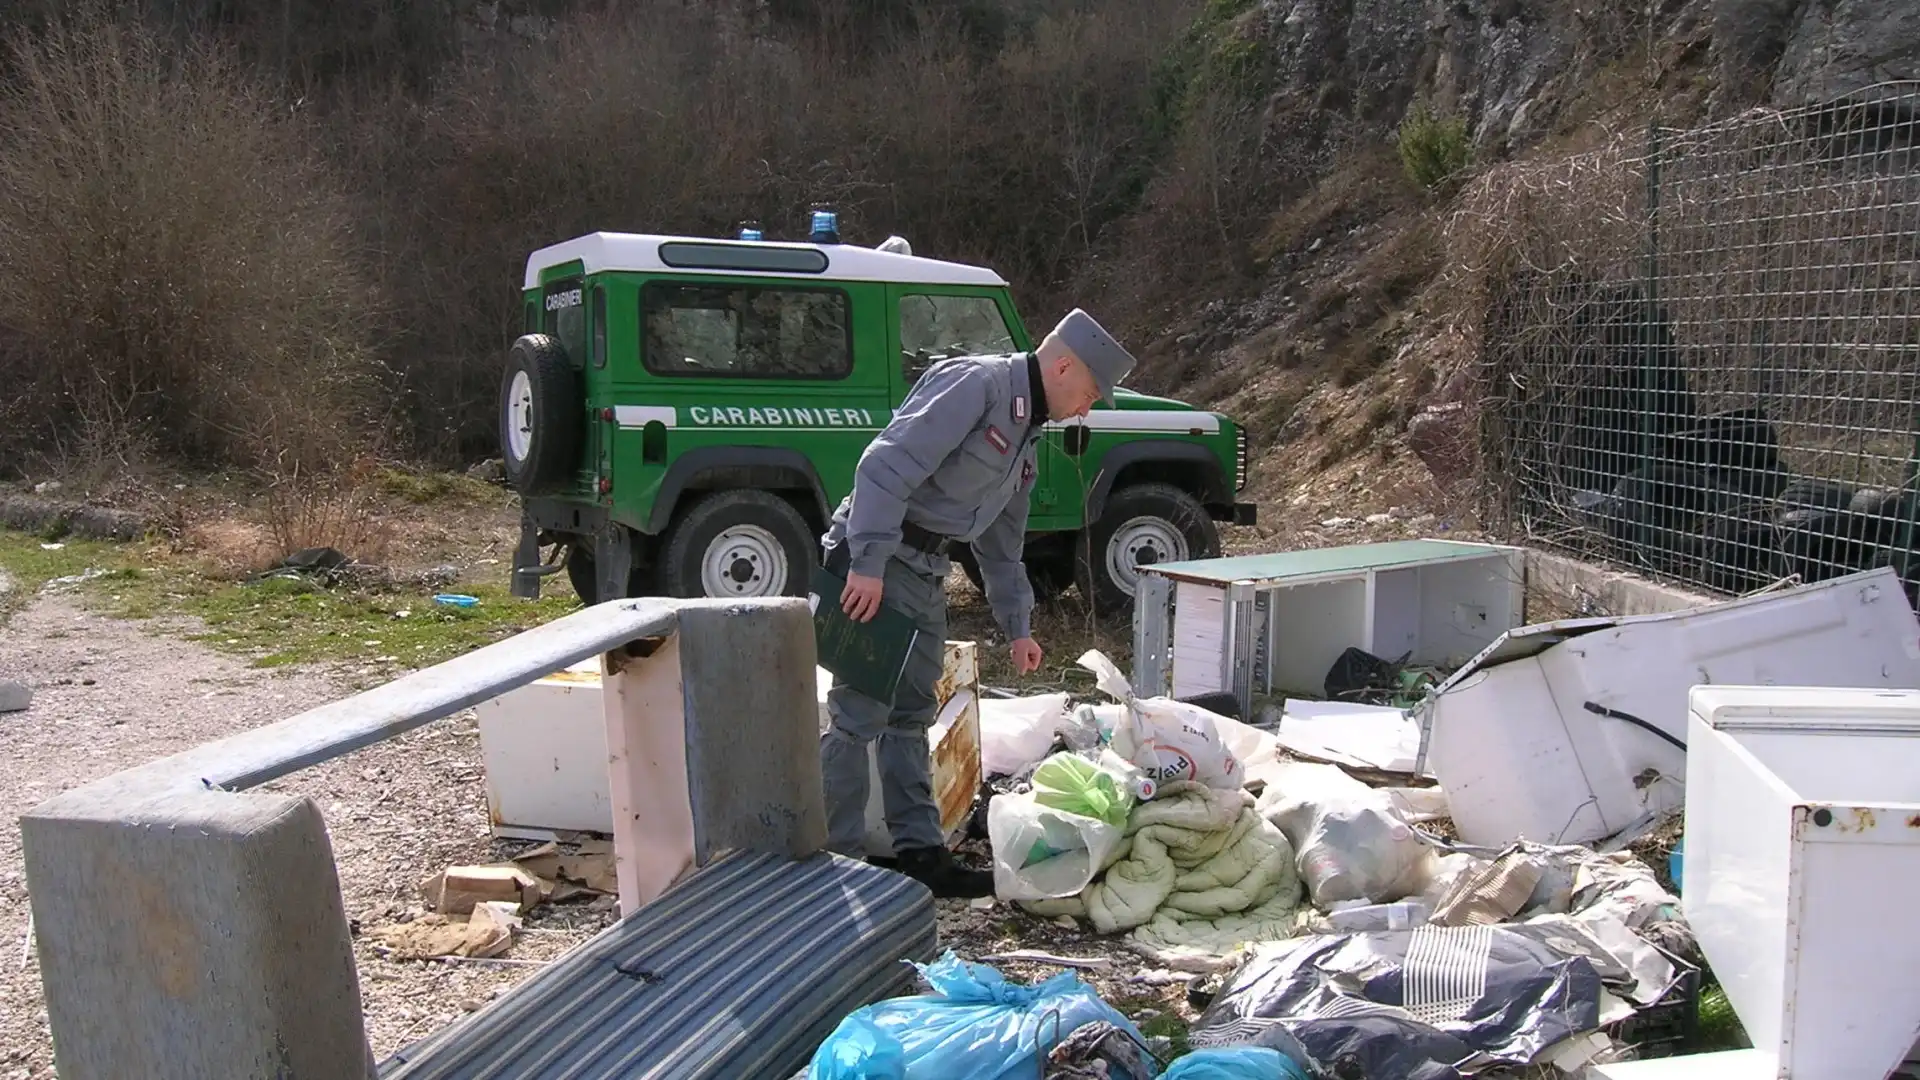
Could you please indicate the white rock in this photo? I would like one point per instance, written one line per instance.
(14, 696)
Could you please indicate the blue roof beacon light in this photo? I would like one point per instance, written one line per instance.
(826, 227)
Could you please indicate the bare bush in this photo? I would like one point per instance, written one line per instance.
(337, 509)
(182, 276)
(662, 117)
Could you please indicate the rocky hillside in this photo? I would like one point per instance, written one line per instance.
(1354, 318)
(300, 224)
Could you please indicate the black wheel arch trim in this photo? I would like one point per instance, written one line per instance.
(692, 463)
(1214, 491)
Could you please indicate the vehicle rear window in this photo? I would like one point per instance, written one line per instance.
(746, 331)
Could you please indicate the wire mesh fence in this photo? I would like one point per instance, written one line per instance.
(1699, 350)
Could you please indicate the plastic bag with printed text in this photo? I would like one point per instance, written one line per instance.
(1169, 740)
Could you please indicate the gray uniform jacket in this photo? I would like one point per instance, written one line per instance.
(958, 459)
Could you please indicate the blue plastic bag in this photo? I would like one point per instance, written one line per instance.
(975, 1025)
(1235, 1063)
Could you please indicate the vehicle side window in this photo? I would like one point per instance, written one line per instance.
(937, 327)
(599, 327)
(747, 331)
(566, 318)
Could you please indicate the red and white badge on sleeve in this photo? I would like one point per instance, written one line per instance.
(998, 440)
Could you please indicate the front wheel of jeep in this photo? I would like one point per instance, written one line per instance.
(1142, 525)
(738, 544)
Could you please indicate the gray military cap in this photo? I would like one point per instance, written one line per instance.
(1096, 348)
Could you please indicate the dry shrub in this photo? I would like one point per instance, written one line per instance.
(658, 116)
(339, 509)
(181, 276)
(1216, 176)
(227, 545)
(1517, 230)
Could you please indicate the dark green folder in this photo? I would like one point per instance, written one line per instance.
(868, 656)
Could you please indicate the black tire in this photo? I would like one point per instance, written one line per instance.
(1049, 575)
(582, 574)
(1147, 518)
(757, 517)
(540, 399)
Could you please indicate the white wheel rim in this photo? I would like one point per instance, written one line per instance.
(1142, 540)
(519, 416)
(744, 560)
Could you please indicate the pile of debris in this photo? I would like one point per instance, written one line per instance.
(474, 912)
(1314, 916)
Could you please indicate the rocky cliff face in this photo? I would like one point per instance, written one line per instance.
(1514, 67)
(1328, 352)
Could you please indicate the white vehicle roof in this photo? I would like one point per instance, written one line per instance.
(642, 252)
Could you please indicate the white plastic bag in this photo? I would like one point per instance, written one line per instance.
(1016, 733)
(1169, 740)
(1349, 842)
(1040, 853)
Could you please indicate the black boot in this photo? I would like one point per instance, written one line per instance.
(936, 869)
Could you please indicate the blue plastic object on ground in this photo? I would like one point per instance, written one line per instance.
(1676, 862)
(975, 1024)
(1235, 1063)
(456, 599)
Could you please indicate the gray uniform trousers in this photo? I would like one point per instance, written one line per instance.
(914, 586)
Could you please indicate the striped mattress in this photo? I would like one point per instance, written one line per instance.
(737, 973)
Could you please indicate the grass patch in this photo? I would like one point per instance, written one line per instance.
(429, 488)
(277, 622)
(31, 562)
(1163, 1024)
(1172, 1028)
(1719, 1026)
(281, 621)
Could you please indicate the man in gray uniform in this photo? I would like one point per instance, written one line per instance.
(955, 465)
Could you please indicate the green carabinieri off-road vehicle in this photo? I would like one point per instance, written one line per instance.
(681, 416)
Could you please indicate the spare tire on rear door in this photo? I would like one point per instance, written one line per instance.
(540, 416)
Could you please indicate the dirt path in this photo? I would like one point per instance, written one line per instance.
(110, 694)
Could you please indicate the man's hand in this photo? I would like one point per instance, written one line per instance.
(861, 598)
(1026, 655)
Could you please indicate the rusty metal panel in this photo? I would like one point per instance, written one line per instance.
(956, 762)
(954, 739)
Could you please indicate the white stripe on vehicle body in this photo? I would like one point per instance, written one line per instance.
(1144, 420)
(753, 417)
(642, 415)
(763, 417)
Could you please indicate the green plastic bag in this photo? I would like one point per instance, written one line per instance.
(1069, 782)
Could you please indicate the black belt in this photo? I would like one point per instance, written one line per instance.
(923, 540)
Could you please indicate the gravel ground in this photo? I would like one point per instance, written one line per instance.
(112, 694)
